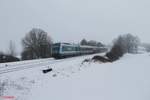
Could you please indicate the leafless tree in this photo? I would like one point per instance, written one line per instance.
(36, 44)
(128, 43)
(92, 43)
(146, 46)
(12, 49)
(123, 44)
(84, 42)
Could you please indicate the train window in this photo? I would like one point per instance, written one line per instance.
(77, 48)
(68, 48)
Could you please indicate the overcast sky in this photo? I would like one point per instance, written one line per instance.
(72, 20)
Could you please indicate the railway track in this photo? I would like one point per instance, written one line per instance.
(18, 67)
(27, 65)
(20, 63)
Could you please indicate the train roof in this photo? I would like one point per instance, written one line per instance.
(66, 44)
(82, 46)
(86, 46)
(62, 43)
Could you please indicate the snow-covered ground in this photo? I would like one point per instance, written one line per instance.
(125, 79)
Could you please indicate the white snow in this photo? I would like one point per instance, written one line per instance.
(125, 79)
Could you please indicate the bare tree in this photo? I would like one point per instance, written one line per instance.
(128, 42)
(92, 43)
(146, 46)
(123, 44)
(131, 43)
(36, 44)
(12, 49)
(99, 44)
(84, 42)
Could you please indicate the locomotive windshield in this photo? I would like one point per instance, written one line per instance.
(56, 48)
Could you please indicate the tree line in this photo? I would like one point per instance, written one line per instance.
(91, 43)
(38, 44)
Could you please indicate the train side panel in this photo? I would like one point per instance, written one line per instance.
(63, 50)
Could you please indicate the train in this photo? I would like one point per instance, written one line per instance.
(64, 50)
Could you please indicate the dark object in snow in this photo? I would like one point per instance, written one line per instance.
(54, 75)
(8, 58)
(115, 53)
(6, 65)
(86, 60)
(101, 59)
(47, 70)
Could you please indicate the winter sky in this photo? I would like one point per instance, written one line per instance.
(72, 20)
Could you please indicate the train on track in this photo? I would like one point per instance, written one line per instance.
(63, 50)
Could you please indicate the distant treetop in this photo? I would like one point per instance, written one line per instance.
(91, 43)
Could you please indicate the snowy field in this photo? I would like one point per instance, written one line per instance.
(125, 79)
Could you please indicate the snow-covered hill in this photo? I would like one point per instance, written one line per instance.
(125, 79)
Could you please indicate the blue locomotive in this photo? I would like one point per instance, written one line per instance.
(63, 50)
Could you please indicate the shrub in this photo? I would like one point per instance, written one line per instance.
(115, 53)
(123, 44)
